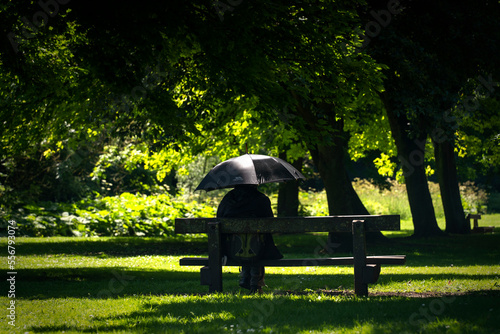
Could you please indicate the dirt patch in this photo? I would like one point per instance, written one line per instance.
(410, 294)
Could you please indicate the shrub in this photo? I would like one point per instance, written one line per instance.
(133, 167)
(123, 215)
(474, 199)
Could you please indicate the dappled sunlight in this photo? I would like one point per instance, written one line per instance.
(293, 313)
(119, 285)
(125, 124)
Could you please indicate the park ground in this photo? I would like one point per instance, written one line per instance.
(135, 285)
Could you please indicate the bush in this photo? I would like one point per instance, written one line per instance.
(474, 199)
(133, 167)
(123, 215)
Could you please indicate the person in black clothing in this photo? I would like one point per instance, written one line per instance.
(245, 201)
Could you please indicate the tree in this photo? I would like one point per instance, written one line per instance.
(432, 49)
(297, 59)
(477, 140)
(288, 195)
(301, 73)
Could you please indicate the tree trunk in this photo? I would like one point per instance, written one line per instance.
(411, 153)
(341, 196)
(288, 194)
(329, 153)
(446, 169)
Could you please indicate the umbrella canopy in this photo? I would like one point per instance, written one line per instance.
(249, 169)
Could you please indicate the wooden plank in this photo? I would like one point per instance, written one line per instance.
(371, 273)
(476, 218)
(483, 229)
(205, 278)
(305, 262)
(289, 224)
(214, 257)
(359, 252)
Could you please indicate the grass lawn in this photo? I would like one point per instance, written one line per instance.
(135, 285)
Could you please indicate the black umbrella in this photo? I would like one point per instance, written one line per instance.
(249, 169)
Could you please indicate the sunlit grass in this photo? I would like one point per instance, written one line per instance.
(269, 313)
(439, 278)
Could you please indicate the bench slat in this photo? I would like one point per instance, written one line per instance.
(289, 224)
(307, 262)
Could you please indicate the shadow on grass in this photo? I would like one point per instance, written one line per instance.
(103, 282)
(456, 249)
(113, 282)
(471, 249)
(282, 314)
(117, 246)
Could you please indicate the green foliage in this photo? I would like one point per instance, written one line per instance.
(493, 203)
(474, 199)
(478, 140)
(55, 175)
(80, 166)
(129, 166)
(377, 201)
(313, 204)
(393, 200)
(188, 83)
(153, 215)
(126, 214)
(190, 175)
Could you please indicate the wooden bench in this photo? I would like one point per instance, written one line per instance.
(366, 268)
(476, 228)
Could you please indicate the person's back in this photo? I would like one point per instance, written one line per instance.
(246, 201)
